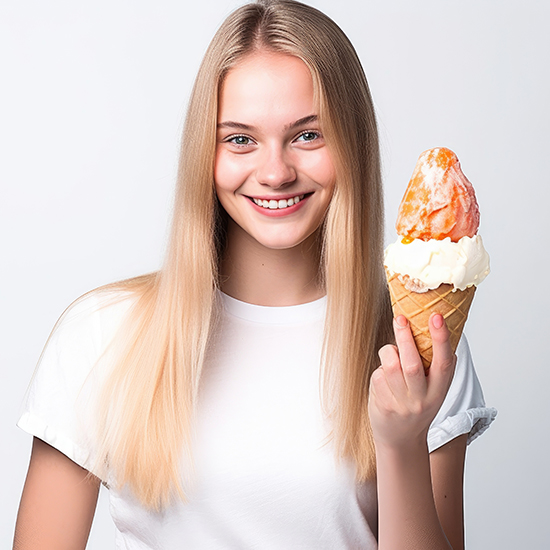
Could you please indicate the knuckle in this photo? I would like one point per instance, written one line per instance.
(413, 369)
(417, 408)
(393, 365)
(376, 376)
(449, 363)
(387, 409)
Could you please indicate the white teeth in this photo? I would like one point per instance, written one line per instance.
(276, 205)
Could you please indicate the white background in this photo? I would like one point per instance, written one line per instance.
(92, 102)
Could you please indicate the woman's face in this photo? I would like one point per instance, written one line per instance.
(273, 173)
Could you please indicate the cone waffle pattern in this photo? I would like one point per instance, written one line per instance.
(417, 308)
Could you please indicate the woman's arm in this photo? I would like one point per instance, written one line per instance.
(420, 507)
(57, 504)
(419, 497)
(447, 467)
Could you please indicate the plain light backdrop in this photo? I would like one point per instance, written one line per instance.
(92, 102)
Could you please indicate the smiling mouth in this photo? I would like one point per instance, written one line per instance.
(279, 204)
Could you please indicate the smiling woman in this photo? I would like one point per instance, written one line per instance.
(234, 398)
(275, 177)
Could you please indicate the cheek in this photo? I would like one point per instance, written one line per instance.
(230, 171)
(321, 169)
(219, 171)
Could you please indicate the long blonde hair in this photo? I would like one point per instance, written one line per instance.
(147, 406)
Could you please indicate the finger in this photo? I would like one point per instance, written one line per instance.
(391, 365)
(379, 388)
(444, 360)
(411, 363)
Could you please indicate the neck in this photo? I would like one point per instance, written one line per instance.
(252, 273)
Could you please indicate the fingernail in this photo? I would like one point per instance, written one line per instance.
(400, 321)
(437, 320)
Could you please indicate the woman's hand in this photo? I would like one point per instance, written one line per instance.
(403, 399)
(403, 402)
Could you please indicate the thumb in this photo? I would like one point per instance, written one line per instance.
(444, 359)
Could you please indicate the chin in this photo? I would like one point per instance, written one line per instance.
(278, 242)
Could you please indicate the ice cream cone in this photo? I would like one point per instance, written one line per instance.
(417, 308)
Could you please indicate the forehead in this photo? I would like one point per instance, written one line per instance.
(267, 84)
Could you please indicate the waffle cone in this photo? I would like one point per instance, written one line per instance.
(417, 308)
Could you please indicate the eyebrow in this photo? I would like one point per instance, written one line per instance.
(240, 126)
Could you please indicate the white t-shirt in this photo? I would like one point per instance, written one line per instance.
(266, 478)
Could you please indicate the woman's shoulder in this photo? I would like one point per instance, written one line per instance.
(95, 310)
(81, 336)
(70, 370)
(91, 322)
(104, 307)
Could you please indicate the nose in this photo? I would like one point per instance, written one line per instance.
(275, 169)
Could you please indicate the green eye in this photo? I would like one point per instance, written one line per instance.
(240, 140)
(308, 136)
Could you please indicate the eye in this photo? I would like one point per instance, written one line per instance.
(308, 135)
(239, 140)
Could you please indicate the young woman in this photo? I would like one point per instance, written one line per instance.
(248, 394)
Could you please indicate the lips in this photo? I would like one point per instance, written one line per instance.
(276, 206)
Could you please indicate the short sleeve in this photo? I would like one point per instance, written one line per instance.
(464, 410)
(61, 396)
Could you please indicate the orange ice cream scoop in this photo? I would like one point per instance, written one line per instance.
(439, 201)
